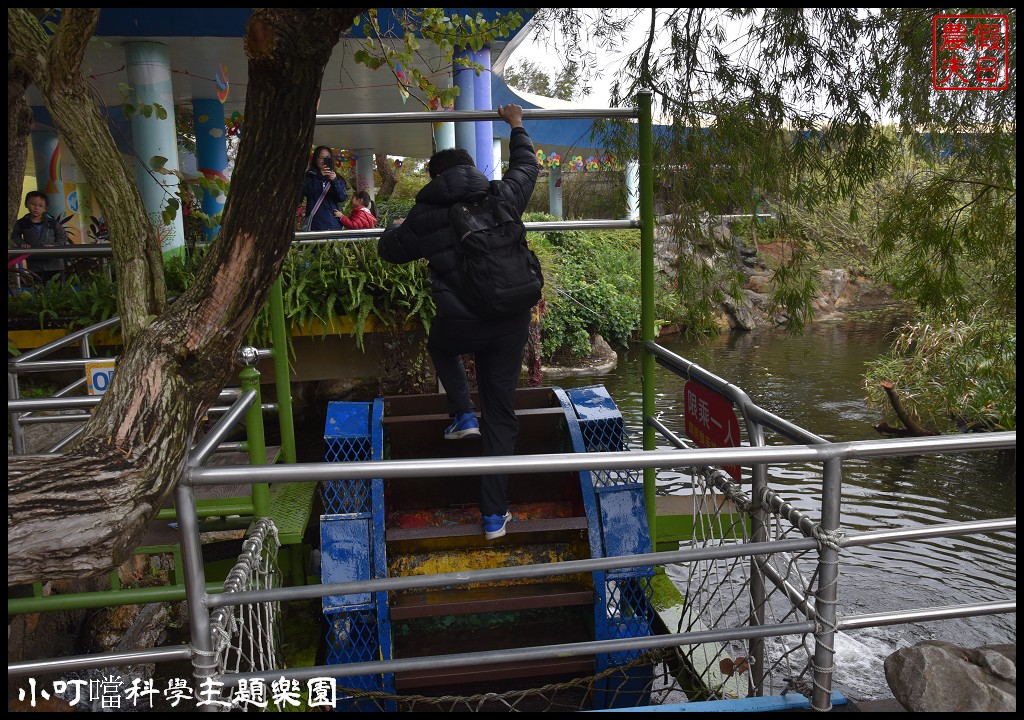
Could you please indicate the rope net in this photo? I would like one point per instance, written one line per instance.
(247, 638)
(718, 594)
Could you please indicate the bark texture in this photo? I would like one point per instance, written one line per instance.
(19, 123)
(909, 421)
(388, 176)
(84, 512)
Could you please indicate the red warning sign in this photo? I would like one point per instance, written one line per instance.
(711, 421)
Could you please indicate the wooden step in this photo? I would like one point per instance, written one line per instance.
(417, 494)
(425, 637)
(552, 670)
(398, 405)
(456, 601)
(513, 530)
(422, 436)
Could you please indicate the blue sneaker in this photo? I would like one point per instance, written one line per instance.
(465, 426)
(494, 525)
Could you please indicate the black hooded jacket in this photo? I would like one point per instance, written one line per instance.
(425, 233)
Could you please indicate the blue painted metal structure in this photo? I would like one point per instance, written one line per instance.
(353, 547)
(617, 518)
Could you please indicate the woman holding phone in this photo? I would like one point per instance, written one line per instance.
(324, 191)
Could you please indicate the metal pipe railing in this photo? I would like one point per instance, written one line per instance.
(314, 237)
(472, 115)
(636, 459)
(580, 566)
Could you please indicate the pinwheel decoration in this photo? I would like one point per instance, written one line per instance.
(222, 83)
(234, 124)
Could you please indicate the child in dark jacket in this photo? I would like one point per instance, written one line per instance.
(37, 229)
(363, 214)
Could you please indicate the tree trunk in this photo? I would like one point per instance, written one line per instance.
(55, 66)
(388, 176)
(909, 422)
(19, 123)
(95, 502)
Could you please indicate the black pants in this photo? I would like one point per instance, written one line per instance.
(498, 347)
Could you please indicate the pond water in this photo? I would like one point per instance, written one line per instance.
(815, 381)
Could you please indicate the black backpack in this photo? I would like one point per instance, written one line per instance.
(496, 273)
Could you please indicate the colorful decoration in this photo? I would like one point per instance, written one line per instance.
(435, 104)
(234, 123)
(346, 157)
(402, 82)
(210, 174)
(576, 163)
(222, 83)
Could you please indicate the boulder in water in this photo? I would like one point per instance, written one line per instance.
(936, 676)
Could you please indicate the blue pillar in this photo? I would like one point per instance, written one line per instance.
(364, 171)
(632, 190)
(149, 75)
(211, 155)
(482, 101)
(555, 191)
(49, 177)
(444, 135)
(465, 132)
(497, 159)
(444, 132)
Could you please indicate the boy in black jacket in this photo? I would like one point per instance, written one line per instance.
(498, 345)
(36, 229)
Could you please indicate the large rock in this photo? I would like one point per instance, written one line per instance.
(601, 361)
(936, 676)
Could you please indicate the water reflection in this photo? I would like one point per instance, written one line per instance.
(815, 381)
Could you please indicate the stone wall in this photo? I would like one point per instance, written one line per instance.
(840, 289)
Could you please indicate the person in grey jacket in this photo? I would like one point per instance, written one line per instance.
(39, 230)
(497, 345)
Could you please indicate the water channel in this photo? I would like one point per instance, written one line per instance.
(815, 381)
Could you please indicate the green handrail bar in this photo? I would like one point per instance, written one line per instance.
(645, 136)
(103, 598)
(250, 378)
(282, 379)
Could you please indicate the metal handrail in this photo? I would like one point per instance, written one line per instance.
(630, 459)
(564, 567)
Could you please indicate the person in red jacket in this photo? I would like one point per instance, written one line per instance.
(363, 215)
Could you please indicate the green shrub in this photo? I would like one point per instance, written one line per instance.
(592, 287)
(77, 301)
(393, 208)
(951, 373)
(346, 279)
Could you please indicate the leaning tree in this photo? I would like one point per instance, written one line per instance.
(94, 502)
(83, 512)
